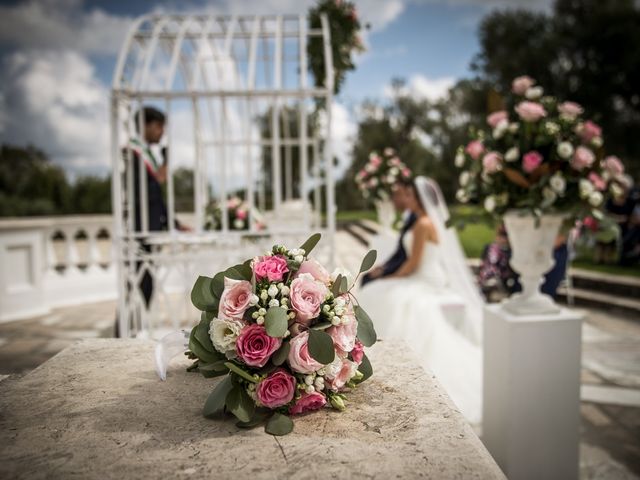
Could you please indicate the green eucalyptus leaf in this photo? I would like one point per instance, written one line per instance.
(218, 366)
(240, 372)
(335, 289)
(217, 284)
(198, 350)
(279, 425)
(259, 417)
(276, 322)
(321, 346)
(344, 286)
(365, 368)
(366, 331)
(321, 326)
(240, 403)
(368, 261)
(217, 398)
(311, 242)
(281, 355)
(202, 294)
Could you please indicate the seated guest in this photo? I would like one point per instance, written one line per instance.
(496, 278)
(396, 260)
(630, 234)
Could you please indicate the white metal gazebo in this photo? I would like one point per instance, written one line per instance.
(242, 116)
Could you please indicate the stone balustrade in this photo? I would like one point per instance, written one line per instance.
(54, 261)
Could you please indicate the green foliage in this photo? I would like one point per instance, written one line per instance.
(321, 346)
(311, 243)
(240, 403)
(279, 424)
(275, 322)
(366, 331)
(368, 261)
(217, 398)
(365, 368)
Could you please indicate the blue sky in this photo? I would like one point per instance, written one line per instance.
(58, 58)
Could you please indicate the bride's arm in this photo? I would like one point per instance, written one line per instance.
(421, 233)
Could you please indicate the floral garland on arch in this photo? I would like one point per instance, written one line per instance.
(540, 155)
(237, 216)
(287, 336)
(377, 178)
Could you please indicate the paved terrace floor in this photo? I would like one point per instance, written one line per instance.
(610, 407)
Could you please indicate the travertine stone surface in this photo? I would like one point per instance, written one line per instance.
(97, 410)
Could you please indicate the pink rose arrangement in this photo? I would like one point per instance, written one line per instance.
(379, 176)
(237, 216)
(538, 154)
(287, 337)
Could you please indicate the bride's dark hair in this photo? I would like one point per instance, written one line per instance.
(410, 183)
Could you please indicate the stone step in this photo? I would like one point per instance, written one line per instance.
(629, 307)
(620, 285)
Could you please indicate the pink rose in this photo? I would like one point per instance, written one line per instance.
(339, 372)
(496, 117)
(375, 161)
(491, 162)
(307, 296)
(591, 223)
(235, 298)
(475, 148)
(521, 84)
(299, 358)
(233, 203)
(613, 165)
(254, 346)
(316, 270)
(358, 352)
(277, 389)
(582, 159)
(344, 335)
(271, 267)
(531, 161)
(530, 111)
(406, 173)
(570, 109)
(308, 402)
(597, 181)
(241, 214)
(589, 131)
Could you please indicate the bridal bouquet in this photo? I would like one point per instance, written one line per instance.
(287, 336)
(380, 173)
(237, 215)
(539, 154)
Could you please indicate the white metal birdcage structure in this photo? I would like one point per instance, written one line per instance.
(241, 115)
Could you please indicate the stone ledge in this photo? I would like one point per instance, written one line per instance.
(97, 410)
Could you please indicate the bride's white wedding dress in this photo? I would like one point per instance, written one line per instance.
(410, 308)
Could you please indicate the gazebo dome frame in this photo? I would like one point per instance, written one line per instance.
(225, 70)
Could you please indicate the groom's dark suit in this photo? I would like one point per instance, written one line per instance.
(399, 256)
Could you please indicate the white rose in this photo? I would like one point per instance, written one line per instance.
(394, 171)
(224, 334)
(369, 168)
(462, 196)
(549, 196)
(345, 273)
(513, 127)
(558, 183)
(534, 93)
(586, 188)
(490, 203)
(595, 199)
(596, 142)
(565, 150)
(238, 224)
(464, 179)
(500, 129)
(512, 154)
(459, 160)
(616, 190)
(374, 182)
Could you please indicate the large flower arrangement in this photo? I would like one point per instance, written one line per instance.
(237, 216)
(344, 27)
(540, 155)
(377, 178)
(288, 337)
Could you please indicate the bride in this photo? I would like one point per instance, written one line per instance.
(414, 304)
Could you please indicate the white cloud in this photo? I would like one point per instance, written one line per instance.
(54, 101)
(343, 132)
(61, 25)
(424, 88)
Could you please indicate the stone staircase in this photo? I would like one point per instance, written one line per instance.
(615, 293)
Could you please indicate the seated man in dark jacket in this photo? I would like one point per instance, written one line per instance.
(400, 255)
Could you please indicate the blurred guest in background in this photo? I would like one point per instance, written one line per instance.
(496, 278)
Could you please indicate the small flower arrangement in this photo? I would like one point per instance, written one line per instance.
(287, 336)
(539, 155)
(377, 178)
(237, 216)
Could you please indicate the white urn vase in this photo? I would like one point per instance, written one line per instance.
(386, 213)
(532, 241)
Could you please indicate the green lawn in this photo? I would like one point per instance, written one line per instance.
(611, 269)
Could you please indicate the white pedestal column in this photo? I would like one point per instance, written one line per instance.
(531, 404)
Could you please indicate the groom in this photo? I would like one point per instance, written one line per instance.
(401, 191)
